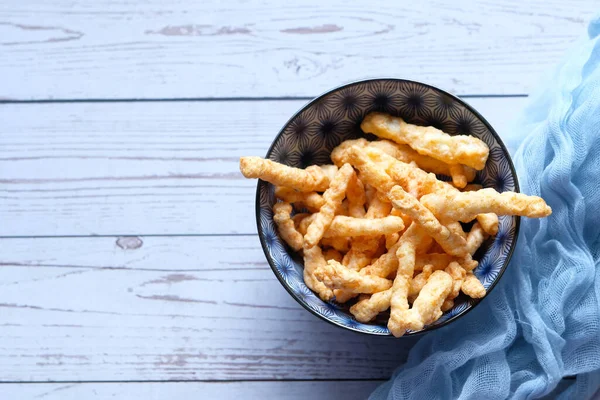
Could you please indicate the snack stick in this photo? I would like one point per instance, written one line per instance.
(305, 223)
(427, 140)
(341, 244)
(464, 206)
(460, 174)
(471, 187)
(329, 171)
(298, 218)
(458, 275)
(335, 276)
(312, 200)
(385, 264)
(313, 259)
(356, 197)
(436, 260)
(367, 309)
(419, 280)
(489, 222)
(285, 225)
(348, 226)
(339, 155)
(451, 243)
(391, 239)
(333, 197)
(472, 287)
(457, 229)
(476, 237)
(447, 305)
(311, 179)
(332, 254)
(426, 307)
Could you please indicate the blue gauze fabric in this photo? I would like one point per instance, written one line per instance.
(542, 321)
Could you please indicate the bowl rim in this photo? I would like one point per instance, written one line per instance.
(429, 328)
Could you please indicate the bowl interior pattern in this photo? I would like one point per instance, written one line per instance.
(309, 137)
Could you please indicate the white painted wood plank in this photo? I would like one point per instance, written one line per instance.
(87, 309)
(144, 168)
(156, 49)
(343, 390)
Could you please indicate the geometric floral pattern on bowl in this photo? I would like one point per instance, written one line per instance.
(311, 134)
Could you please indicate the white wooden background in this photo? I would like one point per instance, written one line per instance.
(130, 265)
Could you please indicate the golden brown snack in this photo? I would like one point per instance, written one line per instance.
(336, 276)
(391, 239)
(460, 174)
(427, 140)
(456, 228)
(341, 244)
(304, 223)
(332, 254)
(339, 155)
(436, 260)
(311, 179)
(426, 308)
(356, 197)
(285, 226)
(417, 283)
(333, 197)
(471, 187)
(367, 309)
(489, 222)
(472, 287)
(348, 226)
(329, 171)
(312, 200)
(465, 206)
(458, 275)
(313, 259)
(298, 218)
(475, 238)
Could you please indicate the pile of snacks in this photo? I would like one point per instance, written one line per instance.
(382, 229)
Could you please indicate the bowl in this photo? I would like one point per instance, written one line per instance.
(310, 135)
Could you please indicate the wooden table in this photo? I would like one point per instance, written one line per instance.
(130, 261)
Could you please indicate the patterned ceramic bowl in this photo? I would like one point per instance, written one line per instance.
(310, 135)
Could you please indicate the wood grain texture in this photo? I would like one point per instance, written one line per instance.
(156, 49)
(342, 390)
(98, 309)
(145, 168)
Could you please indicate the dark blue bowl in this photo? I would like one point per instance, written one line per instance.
(310, 135)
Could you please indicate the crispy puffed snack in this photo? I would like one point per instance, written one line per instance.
(311, 200)
(489, 222)
(339, 155)
(311, 179)
(341, 244)
(329, 171)
(391, 239)
(313, 259)
(355, 194)
(476, 237)
(332, 254)
(458, 275)
(367, 309)
(304, 223)
(436, 260)
(348, 226)
(460, 174)
(456, 228)
(465, 206)
(285, 226)
(336, 276)
(427, 140)
(333, 197)
(298, 218)
(472, 287)
(418, 281)
(471, 187)
(426, 307)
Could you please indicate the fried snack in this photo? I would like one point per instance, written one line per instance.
(356, 197)
(386, 264)
(472, 287)
(298, 218)
(458, 275)
(313, 259)
(427, 305)
(465, 206)
(329, 171)
(489, 222)
(460, 174)
(285, 225)
(348, 226)
(339, 155)
(471, 187)
(311, 200)
(341, 244)
(457, 229)
(419, 280)
(335, 276)
(475, 238)
(447, 305)
(367, 309)
(391, 239)
(311, 179)
(427, 140)
(436, 260)
(333, 197)
(342, 209)
(304, 223)
(333, 254)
